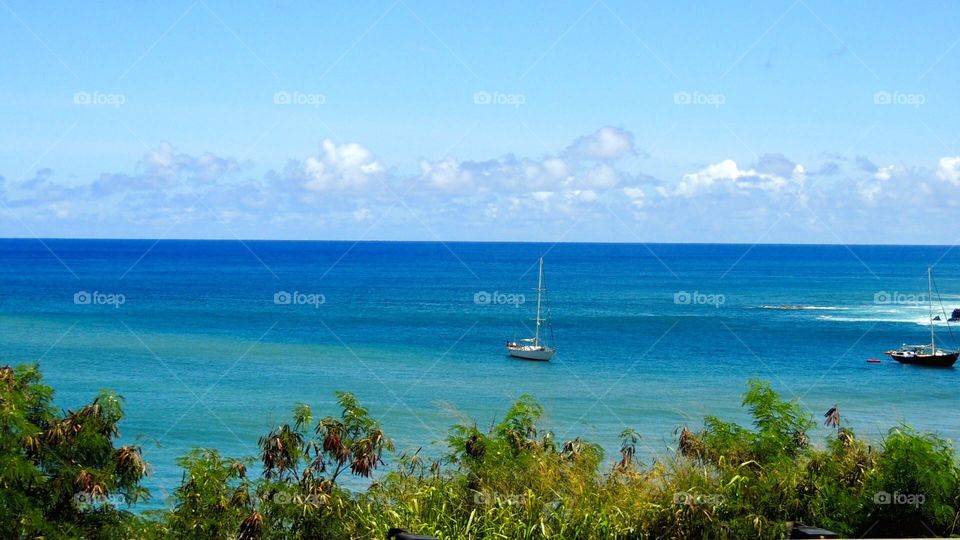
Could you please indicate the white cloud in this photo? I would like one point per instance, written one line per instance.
(446, 175)
(335, 194)
(580, 195)
(361, 214)
(799, 173)
(729, 177)
(163, 168)
(636, 195)
(884, 173)
(891, 171)
(603, 176)
(694, 183)
(61, 210)
(556, 167)
(229, 216)
(949, 170)
(881, 180)
(340, 168)
(605, 144)
(163, 163)
(869, 191)
(775, 164)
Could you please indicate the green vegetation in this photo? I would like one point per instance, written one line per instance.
(62, 477)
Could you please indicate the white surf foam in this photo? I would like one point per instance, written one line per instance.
(803, 308)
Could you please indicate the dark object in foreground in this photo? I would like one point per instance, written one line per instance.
(804, 531)
(400, 534)
(832, 417)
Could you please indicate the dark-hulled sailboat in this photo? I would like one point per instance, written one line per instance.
(926, 355)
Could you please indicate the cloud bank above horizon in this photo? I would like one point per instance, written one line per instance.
(595, 189)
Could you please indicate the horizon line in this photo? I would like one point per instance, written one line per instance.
(438, 241)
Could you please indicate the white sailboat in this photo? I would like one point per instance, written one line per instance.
(534, 348)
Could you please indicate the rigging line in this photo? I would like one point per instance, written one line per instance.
(943, 311)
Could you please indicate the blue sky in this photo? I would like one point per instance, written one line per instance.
(793, 121)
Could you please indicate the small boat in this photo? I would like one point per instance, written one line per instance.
(926, 355)
(534, 348)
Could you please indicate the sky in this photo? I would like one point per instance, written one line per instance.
(599, 120)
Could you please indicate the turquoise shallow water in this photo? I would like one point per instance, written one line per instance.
(205, 357)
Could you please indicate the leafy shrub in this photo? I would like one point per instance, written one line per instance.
(511, 481)
(913, 487)
(60, 474)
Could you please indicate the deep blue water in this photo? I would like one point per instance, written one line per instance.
(205, 357)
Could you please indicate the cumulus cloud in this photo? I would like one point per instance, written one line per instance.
(446, 175)
(41, 190)
(636, 195)
(880, 180)
(775, 164)
(602, 176)
(580, 195)
(163, 168)
(726, 176)
(948, 170)
(571, 180)
(341, 167)
(829, 168)
(888, 172)
(556, 167)
(869, 191)
(583, 188)
(606, 144)
(164, 162)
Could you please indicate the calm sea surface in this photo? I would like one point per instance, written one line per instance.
(651, 337)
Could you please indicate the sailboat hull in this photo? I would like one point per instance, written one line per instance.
(932, 360)
(541, 354)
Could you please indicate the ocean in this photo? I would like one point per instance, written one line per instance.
(212, 343)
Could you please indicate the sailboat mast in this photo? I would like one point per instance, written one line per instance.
(536, 338)
(933, 344)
